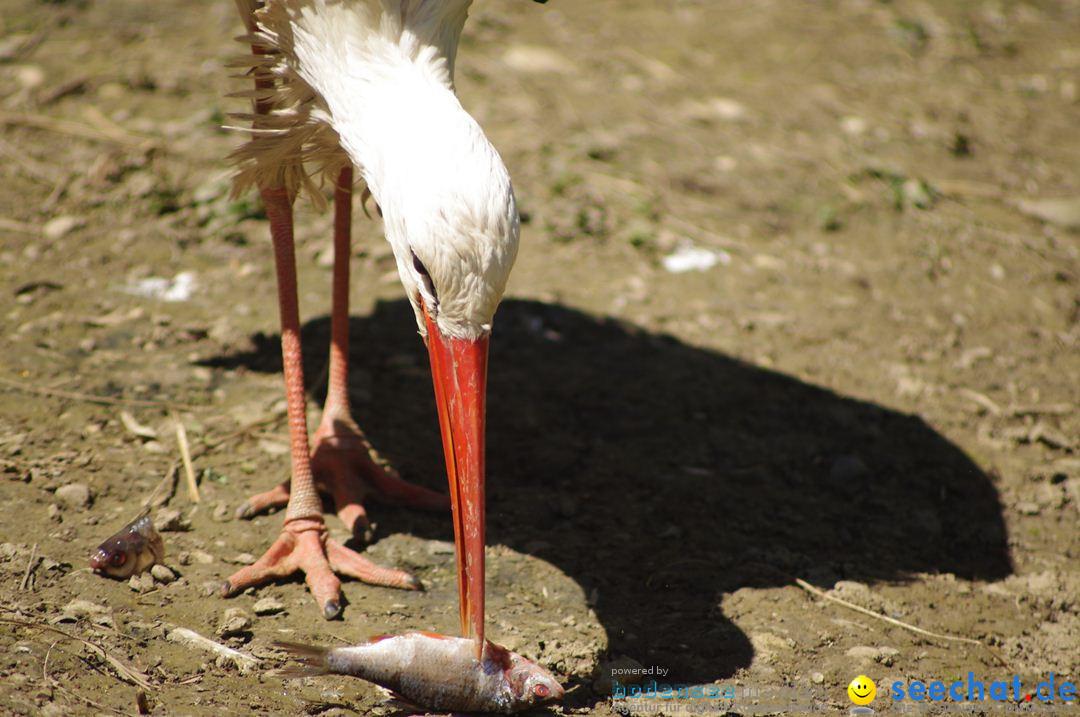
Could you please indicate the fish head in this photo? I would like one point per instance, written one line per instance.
(134, 548)
(116, 557)
(531, 683)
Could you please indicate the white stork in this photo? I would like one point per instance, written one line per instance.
(369, 84)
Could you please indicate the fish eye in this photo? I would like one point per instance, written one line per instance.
(117, 560)
(541, 691)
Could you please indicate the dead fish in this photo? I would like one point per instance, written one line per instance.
(435, 671)
(133, 549)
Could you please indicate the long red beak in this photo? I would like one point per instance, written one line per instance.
(459, 372)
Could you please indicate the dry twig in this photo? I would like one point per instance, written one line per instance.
(56, 685)
(126, 672)
(117, 133)
(893, 621)
(242, 661)
(982, 400)
(30, 565)
(159, 496)
(14, 225)
(94, 398)
(185, 456)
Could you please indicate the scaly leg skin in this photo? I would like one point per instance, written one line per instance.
(303, 543)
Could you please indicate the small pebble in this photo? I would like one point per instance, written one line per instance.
(60, 226)
(142, 583)
(84, 608)
(203, 557)
(162, 574)
(268, 606)
(53, 512)
(336, 712)
(74, 495)
(817, 678)
(234, 622)
(52, 709)
(242, 559)
(1024, 508)
(853, 125)
(170, 520)
(863, 652)
(221, 513)
(29, 76)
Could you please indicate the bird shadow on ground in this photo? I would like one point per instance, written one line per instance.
(661, 476)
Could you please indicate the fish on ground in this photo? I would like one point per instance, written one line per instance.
(435, 671)
(131, 550)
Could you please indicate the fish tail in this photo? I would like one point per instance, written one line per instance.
(313, 660)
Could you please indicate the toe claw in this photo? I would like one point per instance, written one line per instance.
(332, 609)
(276, 497)
(414, 583)
(226, 589)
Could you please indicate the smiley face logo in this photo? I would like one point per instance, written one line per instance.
(862, 690)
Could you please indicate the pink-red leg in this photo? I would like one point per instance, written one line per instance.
(303, 544)
(344, 462)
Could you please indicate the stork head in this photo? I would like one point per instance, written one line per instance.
(455, 265)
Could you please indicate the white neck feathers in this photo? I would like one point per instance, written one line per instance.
(383, 81)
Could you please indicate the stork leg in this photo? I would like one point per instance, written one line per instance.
(345, 464)
(303, 544)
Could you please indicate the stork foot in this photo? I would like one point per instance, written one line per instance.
(305, 546)
(349, 470)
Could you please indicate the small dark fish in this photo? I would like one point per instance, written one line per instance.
(435, 671)
(133, 549)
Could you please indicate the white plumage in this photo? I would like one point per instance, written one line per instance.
(375, 79)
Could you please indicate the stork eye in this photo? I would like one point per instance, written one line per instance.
(425, 277)
(541, 691)
(117, 560)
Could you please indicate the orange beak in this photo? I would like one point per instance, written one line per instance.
(459, 372)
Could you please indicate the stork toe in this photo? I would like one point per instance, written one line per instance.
(276, 497)
(348, 562)
(349, 470)
(305, 547)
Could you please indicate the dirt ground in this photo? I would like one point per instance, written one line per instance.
(868, 382)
